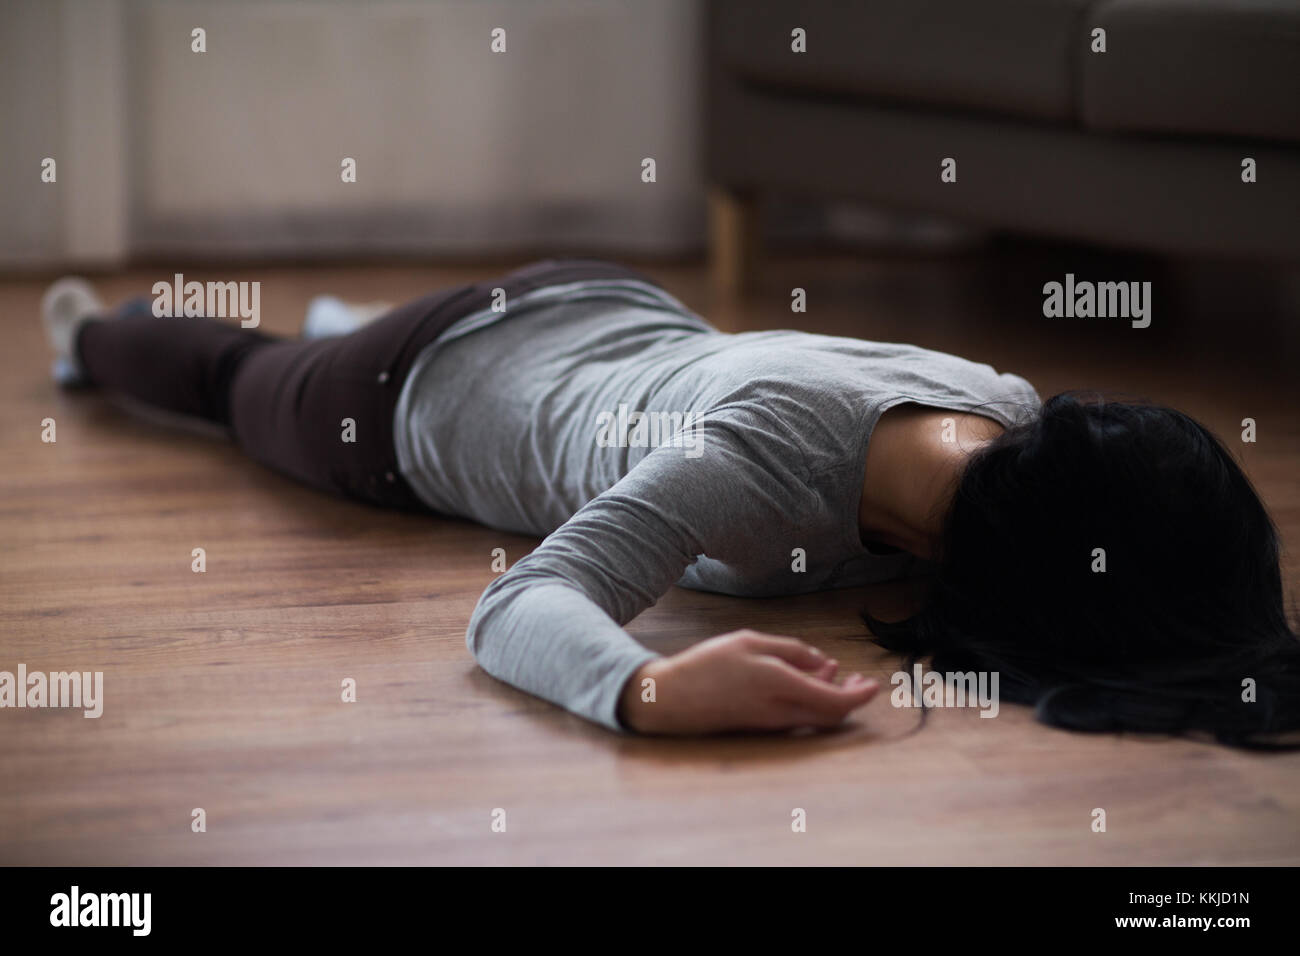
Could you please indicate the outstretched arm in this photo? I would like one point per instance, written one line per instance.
(552, 624)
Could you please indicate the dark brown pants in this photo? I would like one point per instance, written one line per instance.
(285, 400)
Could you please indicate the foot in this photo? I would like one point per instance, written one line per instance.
(327, 316)
(66, 306)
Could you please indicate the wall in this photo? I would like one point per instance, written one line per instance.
(236, 152)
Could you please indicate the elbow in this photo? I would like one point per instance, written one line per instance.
(481, 622)
(473, 633)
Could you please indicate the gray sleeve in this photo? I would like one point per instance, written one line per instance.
(552, 624)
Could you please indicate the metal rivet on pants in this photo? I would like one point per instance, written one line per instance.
(383, 377)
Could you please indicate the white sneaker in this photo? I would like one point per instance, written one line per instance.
(328, 316)
(66, 305)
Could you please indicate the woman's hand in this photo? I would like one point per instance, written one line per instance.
(744, 680)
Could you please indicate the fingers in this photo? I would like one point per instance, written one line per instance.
(827, 671)
(819, 698)
(789, 649)
(790, 683)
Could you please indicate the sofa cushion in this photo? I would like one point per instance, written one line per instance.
(1217, 67)
(1013, 57)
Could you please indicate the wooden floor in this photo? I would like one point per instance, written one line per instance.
(223, 689)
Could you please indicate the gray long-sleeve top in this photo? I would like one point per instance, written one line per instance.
(651, 449)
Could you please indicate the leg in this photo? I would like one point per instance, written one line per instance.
(733, 224)
(318, 411)
(181, 365)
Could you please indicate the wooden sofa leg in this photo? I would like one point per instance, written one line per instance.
(733, 238)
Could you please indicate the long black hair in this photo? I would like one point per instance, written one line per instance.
(1114, 565)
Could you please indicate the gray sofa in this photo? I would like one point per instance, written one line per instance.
(1141, 146)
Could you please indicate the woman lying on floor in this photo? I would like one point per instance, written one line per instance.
(782, 463)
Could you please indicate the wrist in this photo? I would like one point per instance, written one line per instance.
(634, 711)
